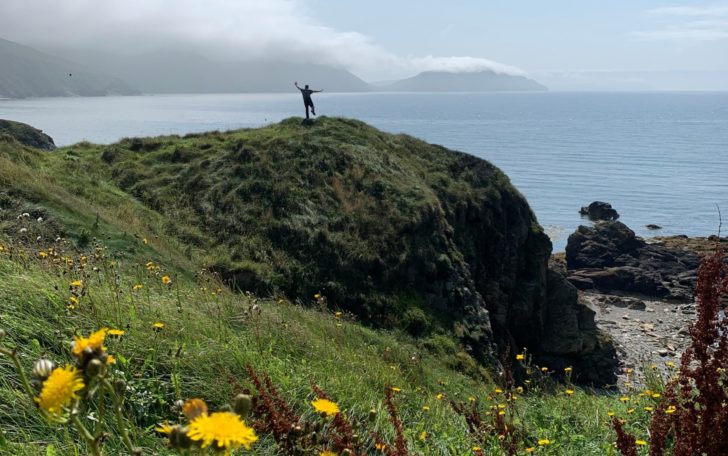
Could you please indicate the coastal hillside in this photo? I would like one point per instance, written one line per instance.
(400, 233)
(26, 73)
(350, 291)
(479, 81)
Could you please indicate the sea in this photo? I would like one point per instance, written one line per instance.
(658, 157)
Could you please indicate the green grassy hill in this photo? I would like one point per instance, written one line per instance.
(400, 238)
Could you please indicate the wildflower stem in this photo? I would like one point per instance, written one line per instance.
(92, 442)
(13, 355)
(119, 417)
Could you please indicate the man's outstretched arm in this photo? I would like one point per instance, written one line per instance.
(296, 84)
(317, 91)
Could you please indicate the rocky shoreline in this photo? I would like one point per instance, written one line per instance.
(641, 291)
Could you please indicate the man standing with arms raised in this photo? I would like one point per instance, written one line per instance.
(307, 101)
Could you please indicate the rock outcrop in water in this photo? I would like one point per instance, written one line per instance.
(599, 210)
(400, 232)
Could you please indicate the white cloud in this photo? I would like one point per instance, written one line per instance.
(688, 24)
(239, 29)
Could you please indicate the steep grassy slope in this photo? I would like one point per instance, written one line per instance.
(399, 232)
(124, 205)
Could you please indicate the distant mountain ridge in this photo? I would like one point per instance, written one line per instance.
(481, 81)
(26, 72)
(174, 71)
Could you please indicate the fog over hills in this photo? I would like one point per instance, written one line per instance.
(174, 71)
(26, 72)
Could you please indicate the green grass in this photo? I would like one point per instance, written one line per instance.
(126, 198)
(209, 339)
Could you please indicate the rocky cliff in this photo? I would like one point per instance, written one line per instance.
(400, 232)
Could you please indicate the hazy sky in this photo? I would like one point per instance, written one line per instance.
(379, 39)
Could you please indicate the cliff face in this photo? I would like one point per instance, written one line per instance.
(400, 232)
(27, 135)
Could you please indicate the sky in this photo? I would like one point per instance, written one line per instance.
(567, 42)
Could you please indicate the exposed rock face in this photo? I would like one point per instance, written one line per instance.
(27, 135)
(609, 257)
(399, 232)
(599, 210)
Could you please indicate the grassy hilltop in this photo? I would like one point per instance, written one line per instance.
(371, 260)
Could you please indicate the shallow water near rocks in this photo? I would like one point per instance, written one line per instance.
(659, 158)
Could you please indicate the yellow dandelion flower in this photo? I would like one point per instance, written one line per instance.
(519, 389)
(440, 396)
(520, 357)
(649, 409)
(42, 254)
(317, 296)
(630, 411)
(569, 392)
(395, 389)
(166, 280)
(656, 395)
(158, 326)
(94, 342)
(501, 412)
(544, 442)
(426, 408)
(544, 369)
(192, 408)
(476, 449)
(136, 287)
(640, 442)
(380, 446)
(145, 241)
(77, 283)
(530, 449)
(568, 370)
(610, 414)
(325, 406)
(73, 300)
(624, 399)
(498, 391)
(59, 390)
(670, 409)
(223, 429)
(328, 453)
(471, 398)
(338, 314)
(110, 360)
(164, 428)
(670, 364)
(423, 436)
(115, 332)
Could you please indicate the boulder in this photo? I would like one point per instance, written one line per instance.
(610, 257)
(599, 210)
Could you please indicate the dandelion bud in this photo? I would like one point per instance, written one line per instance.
(347, 452)
(120, 387)
(372, 415)
(43, 368)
(93, 368)
(297, 430)
(178, 437)
(242, 404)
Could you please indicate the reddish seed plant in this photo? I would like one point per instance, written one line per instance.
(625, 441)
(494, 426)
(692, 417)
(400, 442)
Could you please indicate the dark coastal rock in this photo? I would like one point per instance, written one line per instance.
(27, 135)
(652, 226)
(599, 210)
(609, 257)
(394, 230)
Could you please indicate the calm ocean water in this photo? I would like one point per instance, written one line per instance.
(657, 157)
